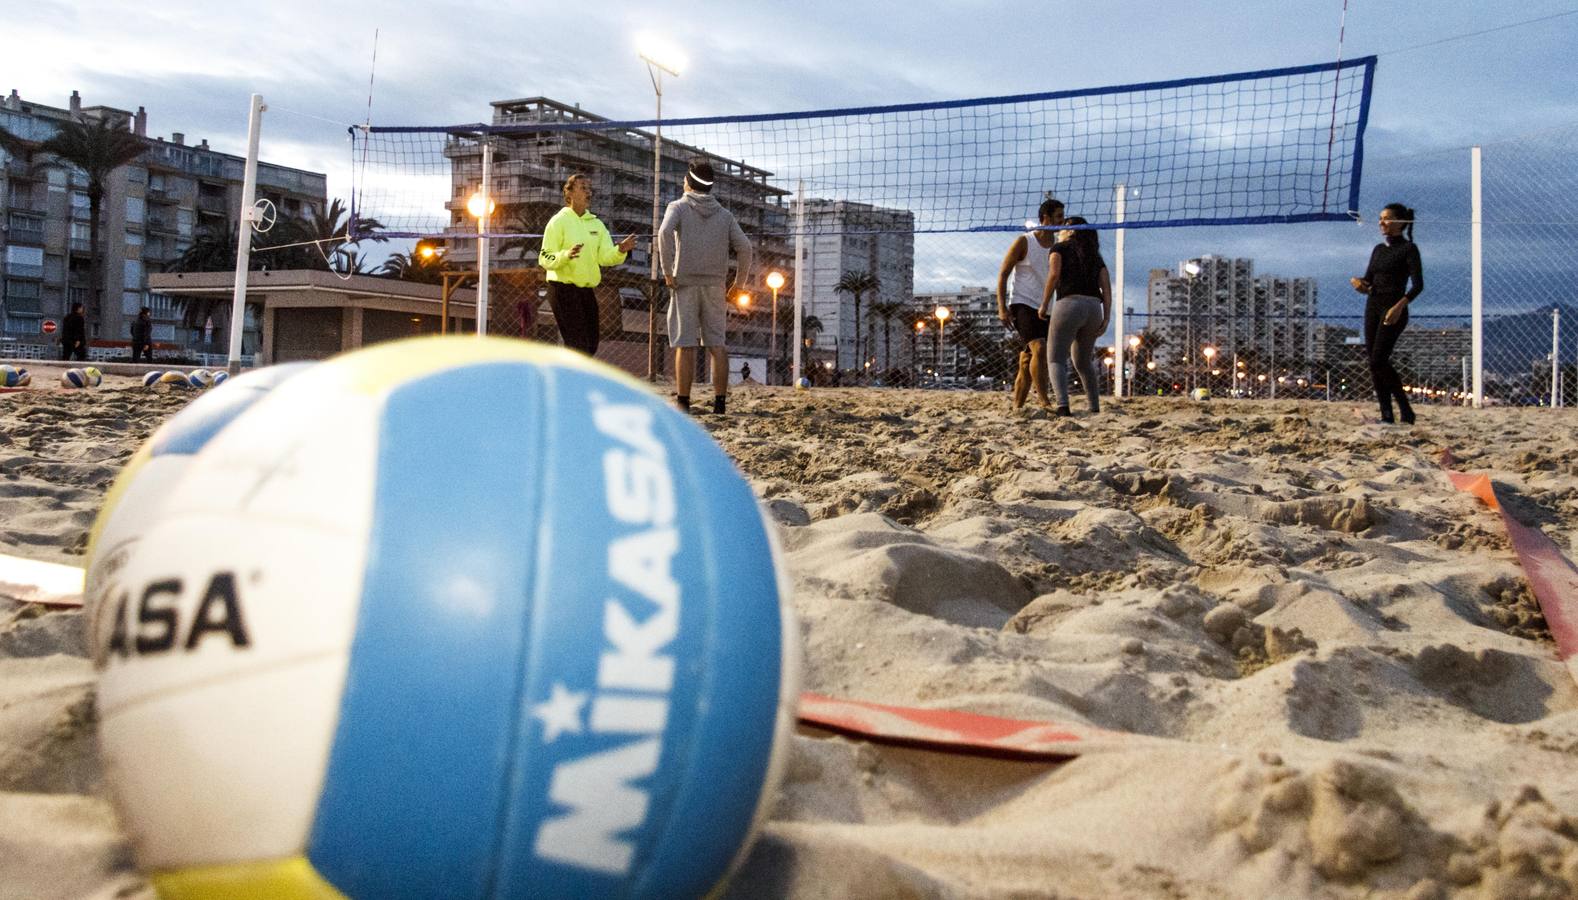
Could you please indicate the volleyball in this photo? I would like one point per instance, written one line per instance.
(200, 378)
(150, 379)
(13, 377)
(1200, 393)
(576, 678)
(75, 378)
(220, 377)
(803, 384)
(93, 375)
(177, 379)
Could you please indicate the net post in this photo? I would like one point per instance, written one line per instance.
(1117, 293)
(1476, 271)
(799, 279)
(249, 190)
(482, 239)
(1556, 357)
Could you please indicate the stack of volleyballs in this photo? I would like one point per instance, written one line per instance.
(13, 377)
(197, 378)
(81, 378)
(349, 645)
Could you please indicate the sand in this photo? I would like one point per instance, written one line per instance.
(1336, 680)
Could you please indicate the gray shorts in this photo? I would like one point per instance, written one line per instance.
(697, 314)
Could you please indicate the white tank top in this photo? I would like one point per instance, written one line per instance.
(1030, 274)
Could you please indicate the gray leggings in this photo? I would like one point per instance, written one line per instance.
(1076, 324)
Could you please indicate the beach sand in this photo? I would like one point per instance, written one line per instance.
(1334, 677)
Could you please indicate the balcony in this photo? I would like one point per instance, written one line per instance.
(161, 195)
(22, 270)
(210, 204)
(161, 224)
(25, 230)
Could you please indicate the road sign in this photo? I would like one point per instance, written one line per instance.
(49, 326)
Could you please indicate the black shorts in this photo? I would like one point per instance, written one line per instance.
(1028, 322)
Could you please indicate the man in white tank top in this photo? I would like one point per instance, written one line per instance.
(1026, 262)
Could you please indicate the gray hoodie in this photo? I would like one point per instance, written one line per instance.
(694, 242)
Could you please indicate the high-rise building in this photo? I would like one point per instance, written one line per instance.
(153, 209)
(972, 327)
(1213, 301)
(843, 237)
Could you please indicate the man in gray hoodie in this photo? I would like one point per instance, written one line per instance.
(693, 250)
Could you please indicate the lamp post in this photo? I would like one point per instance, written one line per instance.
(1192, 270)
(775, 281)
(942, 313)
(659, 58)
(1134, 361)
(1209, 352)
(920, 328)
(482, 206)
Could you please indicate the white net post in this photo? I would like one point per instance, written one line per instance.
(1117, 294)
(1556, 357)
(249, 190)
(1476, 277)
(483, 215)
(799, 274)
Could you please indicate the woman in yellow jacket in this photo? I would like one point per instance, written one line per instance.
(575, 247)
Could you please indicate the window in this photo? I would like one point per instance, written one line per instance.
(24, 256)
(183, 222)
(54, 268)
(131, 302)
(164, 332)
(81, 206)
(163, 306)
(133, 275)
(134, 210)
(134, 239)
(136, 174)
(156, 182)
(83, 232)
(57, 180)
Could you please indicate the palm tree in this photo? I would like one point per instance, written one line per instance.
(97, 149)
(858, 284)
(413, 267)
(329, 234)
(886, 311)
(520, 222)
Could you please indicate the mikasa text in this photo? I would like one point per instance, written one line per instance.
(634, 674)
(158, 627)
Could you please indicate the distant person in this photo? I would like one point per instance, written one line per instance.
(1394, 263)
(575, 248)
(1019, 308)
(693, 246)
(745, 372)
(1078, 275)
(74, 334)
(142, 336)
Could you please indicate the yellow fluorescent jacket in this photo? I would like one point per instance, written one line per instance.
(564, 231)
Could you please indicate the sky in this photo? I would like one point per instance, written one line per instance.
(193, 66)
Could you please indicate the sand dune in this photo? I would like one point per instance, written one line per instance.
(1332, 675)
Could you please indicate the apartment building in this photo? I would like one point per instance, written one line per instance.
(1213, 301)
(152, 211)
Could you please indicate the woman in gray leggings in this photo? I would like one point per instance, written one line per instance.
(1078, 275)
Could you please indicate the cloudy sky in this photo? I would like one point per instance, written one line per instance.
(193, 66)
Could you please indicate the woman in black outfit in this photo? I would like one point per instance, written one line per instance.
(1394, 263)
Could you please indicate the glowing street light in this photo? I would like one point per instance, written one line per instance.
(942, 313)
(743, 300)
(480, 206)
(775, 281)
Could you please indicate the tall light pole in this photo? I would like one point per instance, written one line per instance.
(1134, 361)
(482, 206)
(775, 281)
(1209, 353)
(942, 313)
(920, 328)
(1192, 270)
(659, 58)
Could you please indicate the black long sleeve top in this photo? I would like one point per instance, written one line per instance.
(1393, 265)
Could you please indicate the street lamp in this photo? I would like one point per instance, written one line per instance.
(660, 57)
(1134, 361)
(775, 281)
(942, 313)
(1209, 352)
(743, 301)
(481, 206)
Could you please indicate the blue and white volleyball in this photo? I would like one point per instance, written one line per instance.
(13, 377)
(220, 377)
(149, 379)
(803, 384)
(73, 378)
(575, 678)
(200, 378)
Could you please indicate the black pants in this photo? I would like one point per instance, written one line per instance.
(1379, 339)
(575, 310)
(74, 350)
(141, 349)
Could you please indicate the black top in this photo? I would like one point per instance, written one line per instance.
(1078, 277)
(142, 329)
(74, 329)
(1392, 265)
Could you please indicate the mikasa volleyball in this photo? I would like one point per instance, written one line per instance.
(446, 617)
